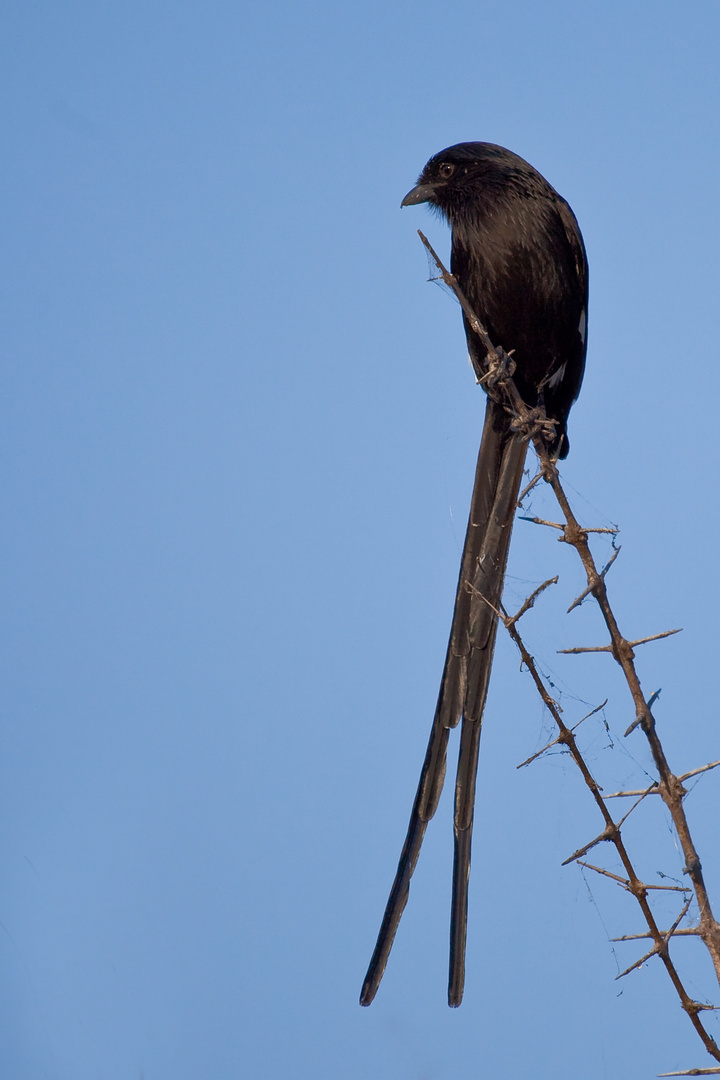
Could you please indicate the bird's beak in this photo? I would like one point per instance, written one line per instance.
(421, 193)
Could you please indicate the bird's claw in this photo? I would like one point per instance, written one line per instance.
(535, 422)
(500, 365)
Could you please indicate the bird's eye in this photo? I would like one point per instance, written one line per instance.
(446, 170)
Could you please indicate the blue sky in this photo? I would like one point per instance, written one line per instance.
(237, 449)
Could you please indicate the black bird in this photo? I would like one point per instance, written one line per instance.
(519, 257)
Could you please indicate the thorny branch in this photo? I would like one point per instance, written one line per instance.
(496, 377)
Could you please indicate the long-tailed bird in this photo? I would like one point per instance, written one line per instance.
(519, 258)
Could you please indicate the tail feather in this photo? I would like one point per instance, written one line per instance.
(486, 591)
(453, 685)
(458, 920)
(434, 768)
(463, 690)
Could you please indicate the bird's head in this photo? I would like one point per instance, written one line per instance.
(457, 178)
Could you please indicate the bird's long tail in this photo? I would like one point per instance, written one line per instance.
(463, 690)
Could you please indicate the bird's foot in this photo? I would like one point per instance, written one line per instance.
(500, 366)
(535, 422)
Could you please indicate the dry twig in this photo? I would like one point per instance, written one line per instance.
(497, 379)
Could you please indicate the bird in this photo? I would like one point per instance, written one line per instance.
(518, 256)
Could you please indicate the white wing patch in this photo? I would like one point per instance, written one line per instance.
(557, 376)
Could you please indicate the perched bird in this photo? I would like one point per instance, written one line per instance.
(519, 258)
